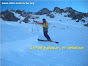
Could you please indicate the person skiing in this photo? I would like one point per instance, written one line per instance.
(45, 28)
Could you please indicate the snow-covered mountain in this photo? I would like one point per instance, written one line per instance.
(17, 38)
(9, 15)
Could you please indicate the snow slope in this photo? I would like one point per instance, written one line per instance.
(18, 38)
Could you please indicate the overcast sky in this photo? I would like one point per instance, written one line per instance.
(81, 6)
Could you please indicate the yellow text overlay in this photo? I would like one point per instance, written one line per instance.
(55, 48)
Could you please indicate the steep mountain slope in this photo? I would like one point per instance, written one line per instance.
(18, 38)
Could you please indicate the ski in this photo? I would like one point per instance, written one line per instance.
(47, 41)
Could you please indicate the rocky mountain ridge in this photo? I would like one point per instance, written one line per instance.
(71, 13)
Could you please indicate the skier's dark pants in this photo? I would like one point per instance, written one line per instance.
(45, 31)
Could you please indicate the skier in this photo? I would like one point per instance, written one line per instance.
(45, 28)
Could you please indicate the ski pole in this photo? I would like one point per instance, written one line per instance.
(33, 24)
(37, 27)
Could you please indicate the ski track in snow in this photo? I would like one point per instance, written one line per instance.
(18, 38)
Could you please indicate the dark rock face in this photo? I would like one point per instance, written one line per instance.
(83, 20)
(86, 25)
(23, 13)
(12, 10)
(86, 14)
(65, 15)
(77, 20)
(0, 15)
(68, 9)
(50, 15)
(58, 10)
(43, 11)
(26, 20)
(26, 14)
(78, 16)
(19, 11)
(73, 14)
(8, 16)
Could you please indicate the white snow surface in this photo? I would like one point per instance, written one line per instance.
(16, 40)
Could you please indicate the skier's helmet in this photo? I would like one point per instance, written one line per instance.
(44, 20)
